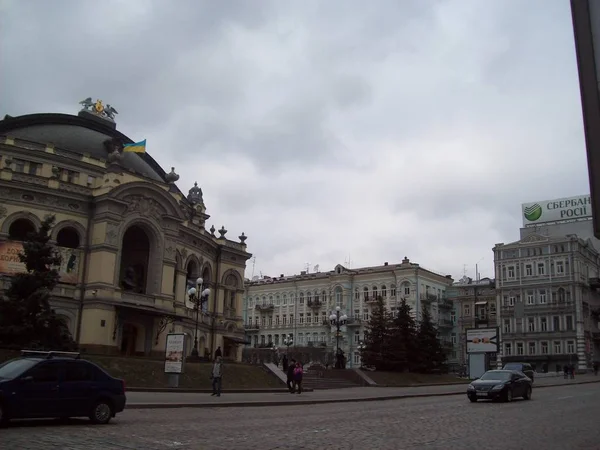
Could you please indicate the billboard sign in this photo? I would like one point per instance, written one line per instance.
(174, 351)
(482, 340)
(68, 270)
(559, 210)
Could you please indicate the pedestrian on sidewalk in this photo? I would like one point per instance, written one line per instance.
(218, 352)
(566, 371)
(216, 376)
(298, 372)
(595, 368)
(290, 375)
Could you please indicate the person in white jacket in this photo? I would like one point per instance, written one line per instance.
(216, 376)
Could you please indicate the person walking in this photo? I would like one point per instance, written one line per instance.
(595, 367)
(216, 376)
(298, 373)
(218, 352)
(290, 376)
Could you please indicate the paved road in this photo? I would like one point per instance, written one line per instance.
(557, 418)
(142, 398)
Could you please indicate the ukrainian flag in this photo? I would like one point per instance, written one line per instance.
(138, 147)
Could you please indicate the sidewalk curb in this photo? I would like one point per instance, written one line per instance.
(249, 404)
(208, 391)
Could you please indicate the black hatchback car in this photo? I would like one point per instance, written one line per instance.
(58, 385)
(500, 385)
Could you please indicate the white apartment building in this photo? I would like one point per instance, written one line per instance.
(546, 291)
(300, 305)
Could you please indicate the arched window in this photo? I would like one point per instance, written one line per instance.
(366, 293)
(231, 285)
(19, 229)
(383, 291)
(135, 258)
(356, 294)
(374, 292)
(67, 237)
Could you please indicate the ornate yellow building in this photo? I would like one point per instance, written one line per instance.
(131, 242)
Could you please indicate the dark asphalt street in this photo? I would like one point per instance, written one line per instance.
(556, 418)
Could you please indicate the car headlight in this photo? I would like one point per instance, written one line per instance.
(470, 387)
(497, 387)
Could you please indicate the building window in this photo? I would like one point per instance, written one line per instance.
(406, 289)
(556, 323)
(366, 293)
(357, 337)
(506, 325)
(291, 319)
(284, 320)
(529, 270)
(453, 338)
(276, 320)
(19, 165)
(569, 320)
(530, 298)
(384, 291)
(511, 272)
(532, 348)
(520, 349)
(276, 339)
(374, 292)
(531, 324)
(511, 301)
(338, 296)
(356, 358)
(301, 318)
(543, 324)
(541, 268)
(508, 349)
(544, 348)
(301, 298)
(467, 310)
(560, 268)
(453, 317)
(542, 297)
(34, 168)
(557, 347)
(570, 347)
(393, 290)
(356, 294)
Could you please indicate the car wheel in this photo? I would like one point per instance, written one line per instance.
(473, 399)
(508, 396)
(3, 416)
(527, 395)
(102, 412)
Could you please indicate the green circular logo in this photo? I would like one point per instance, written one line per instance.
(533, 212)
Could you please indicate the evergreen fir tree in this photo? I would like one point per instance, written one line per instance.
(403, 346)
(431, 354)
(26, 319)
(377, 334)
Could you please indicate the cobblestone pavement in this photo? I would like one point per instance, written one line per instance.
(332, 394)
(556, 418)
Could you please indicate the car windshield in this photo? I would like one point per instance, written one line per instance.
(513, 366)
(496, 375)
(13, 368)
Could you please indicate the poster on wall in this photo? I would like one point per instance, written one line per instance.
(68, 270)
(174, 351)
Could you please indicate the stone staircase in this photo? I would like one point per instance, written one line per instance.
(318, 378)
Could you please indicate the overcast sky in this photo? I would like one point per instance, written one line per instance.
(326, 130)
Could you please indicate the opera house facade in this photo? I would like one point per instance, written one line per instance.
(132, 243)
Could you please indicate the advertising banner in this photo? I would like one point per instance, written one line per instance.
(482, 340)
(174, 351)
(559, 210)
(68, 270)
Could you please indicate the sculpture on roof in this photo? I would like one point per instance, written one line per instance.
(98, 108)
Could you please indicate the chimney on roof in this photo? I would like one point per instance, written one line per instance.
(281, 275)
(385, 263)
(303, 272)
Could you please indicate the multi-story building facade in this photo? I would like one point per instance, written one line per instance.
(300, 305)
(131, 241)
(474, 307)
(545, 290)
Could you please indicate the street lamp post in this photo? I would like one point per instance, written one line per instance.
(198, 297)
(360, 347)
(338, 319)
(289, 340)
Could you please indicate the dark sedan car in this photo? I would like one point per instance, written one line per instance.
(500, 385)
(58, 385)
(521, 367)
